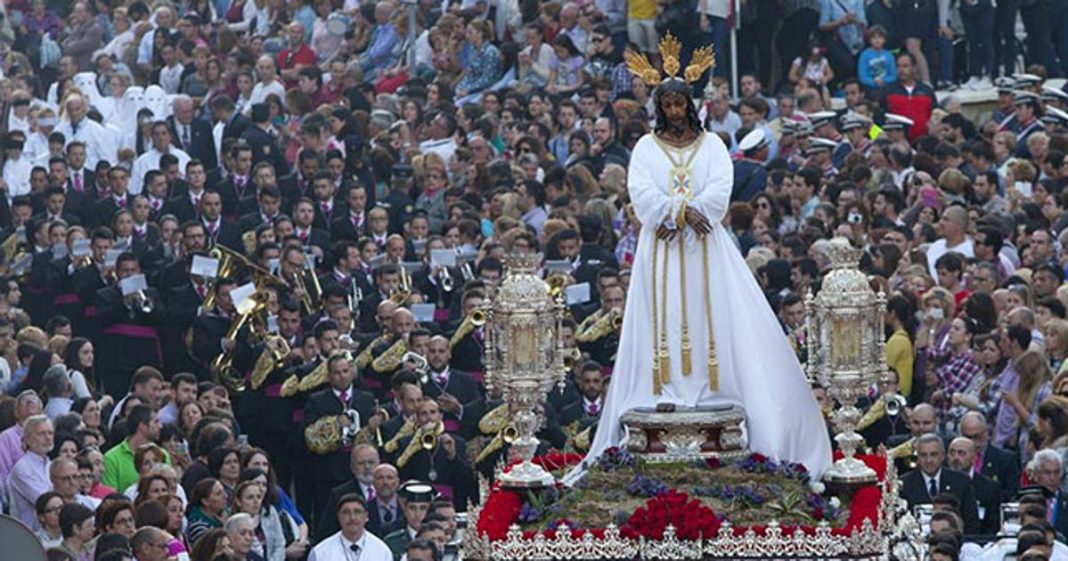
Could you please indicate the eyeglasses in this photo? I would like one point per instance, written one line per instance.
(600, 39)
(763, 205)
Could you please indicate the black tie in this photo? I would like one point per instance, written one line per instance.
(355, 550)
(932, 488)
(387, 516)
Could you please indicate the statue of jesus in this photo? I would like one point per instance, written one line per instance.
(697, 329)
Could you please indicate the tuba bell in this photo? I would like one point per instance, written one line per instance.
(895, 404)
(557, 281)
(332, 432)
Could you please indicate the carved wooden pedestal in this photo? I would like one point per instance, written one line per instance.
(685, 434)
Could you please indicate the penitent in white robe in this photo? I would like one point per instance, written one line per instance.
(757, 368)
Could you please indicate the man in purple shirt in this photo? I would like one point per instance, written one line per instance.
(27, 404)
(1014, 341)
(29, 478)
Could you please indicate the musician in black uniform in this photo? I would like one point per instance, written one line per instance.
(332, 469)
(439, 459)
(468, 350)
(458, 394)
(130, 324)
(603, 345)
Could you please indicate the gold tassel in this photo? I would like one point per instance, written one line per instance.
(713, 361)
(687, 365)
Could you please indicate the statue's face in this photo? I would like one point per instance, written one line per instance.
(675, 107)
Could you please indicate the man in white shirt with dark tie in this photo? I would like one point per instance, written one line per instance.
(353, 542)
(161, 144)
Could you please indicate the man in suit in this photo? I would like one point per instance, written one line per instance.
(238, 187)
(55, 200)
(998, 464)
(987, 493)
(364, 460)
(383, 510)
(354, 224)
(458, 394)
(118, 198)
(223, 110)
(186, 206)
(333, 469)
(219, 230)
(304, 226)
(77, 203)
(922, 485)
(82, 179)
(1046, 470)
(193, 135)
(299, 183)
(587, 410)
(268, 205)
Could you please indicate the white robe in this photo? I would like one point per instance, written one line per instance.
(757, 368)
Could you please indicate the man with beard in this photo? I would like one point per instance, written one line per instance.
(680, 181)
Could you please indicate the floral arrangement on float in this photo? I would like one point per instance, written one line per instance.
(626, 508)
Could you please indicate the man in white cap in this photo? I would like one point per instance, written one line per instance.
(1055, 119)
(897, 127)
(819, 156)
(749, 173)
(855, 127)
(1028, 111)
(823, 125)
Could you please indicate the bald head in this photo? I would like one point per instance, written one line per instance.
(962, 454)
(922, 419)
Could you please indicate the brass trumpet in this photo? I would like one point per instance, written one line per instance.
(603, 325)
(557, 282)
(572, 357)
(474, 320)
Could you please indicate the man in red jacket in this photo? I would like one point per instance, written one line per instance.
(909, 97)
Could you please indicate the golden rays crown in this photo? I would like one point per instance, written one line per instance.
(670, 49)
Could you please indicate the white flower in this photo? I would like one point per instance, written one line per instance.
(835, 502)
(816, 487)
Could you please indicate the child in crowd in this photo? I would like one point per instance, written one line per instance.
(876, 66)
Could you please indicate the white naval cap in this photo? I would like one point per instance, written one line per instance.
(822, 118)
(1055, 116)
(897, 122)
(755, 140)
(816, 145)
(1025, 79)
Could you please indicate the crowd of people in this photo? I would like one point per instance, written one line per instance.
(247, 247)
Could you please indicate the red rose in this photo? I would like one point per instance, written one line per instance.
(759, 458)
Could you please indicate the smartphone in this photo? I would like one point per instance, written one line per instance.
(1025, 188)
(936, 313)
(242, 440)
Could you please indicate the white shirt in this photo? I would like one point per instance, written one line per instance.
(939, 248)
(260, 92)
(336, 548)
(150, 161)
(99, 141)
(444, 148)
(17, 176)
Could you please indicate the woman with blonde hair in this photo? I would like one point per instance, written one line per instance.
(613, 179)
(1056, 336)
(1034, 387)
(607, 213)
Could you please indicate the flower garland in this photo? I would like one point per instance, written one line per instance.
(691, 518)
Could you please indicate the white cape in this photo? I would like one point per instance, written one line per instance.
(757, 368)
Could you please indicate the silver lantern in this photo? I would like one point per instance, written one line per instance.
(846, 351)
(524, 359)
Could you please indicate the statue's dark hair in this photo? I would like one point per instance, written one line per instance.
(675, 87)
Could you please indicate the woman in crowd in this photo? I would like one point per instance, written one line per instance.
(1035, 386)
(269, 541)
(480, 59)
(275, 495)
(207, 509)
(116, 515)
(225, 465)
(48, 506)
(79, 359)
